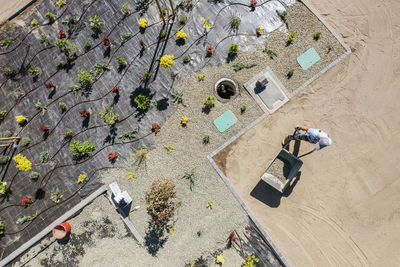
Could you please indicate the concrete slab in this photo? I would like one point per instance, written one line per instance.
(308, 58)
(225, 121)
(270, 96)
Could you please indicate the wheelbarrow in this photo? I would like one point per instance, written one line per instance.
(282, 170)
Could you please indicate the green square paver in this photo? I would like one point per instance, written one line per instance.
(225, 121)
(309, 58)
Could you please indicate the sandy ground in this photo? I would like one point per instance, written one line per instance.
(8, 7)
(344, 210)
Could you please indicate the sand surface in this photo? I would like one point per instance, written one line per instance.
(345, 208)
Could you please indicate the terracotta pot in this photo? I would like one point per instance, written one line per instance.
(61, 230)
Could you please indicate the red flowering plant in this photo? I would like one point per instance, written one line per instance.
(142, 44)
(26, 201)
(62, 34)
(112, 156)
(231, 239)
(210, 49)
(155, 127)
(43, 128)
(253, 3)
(84, 113)
(106, 41)
(49, 85)
(115, 90)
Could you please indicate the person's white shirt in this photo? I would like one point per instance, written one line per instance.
(322, 138)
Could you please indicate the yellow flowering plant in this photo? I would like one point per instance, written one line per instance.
(142, 23)
(20, 119)
(34, 22)
(167, 61)
(184, 120)
(220, 259)
(60, 3)
(200, 77)
(180, 34)
(168, 148)
(81, 178)
(131, 175)
(260, 30)
(23, 164)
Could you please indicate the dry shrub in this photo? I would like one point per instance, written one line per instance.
(161, 200)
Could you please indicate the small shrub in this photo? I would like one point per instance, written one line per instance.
(199, 233)
(60, 64)
(242, 109)
(55, 195)
(21, 120)
(121, 61)
(101, 66)
(34, 22)
(8, 72)
(239, 66)
(253, 3)
(290, 74)
(125, 9)
(50, 16)
(49, 85)
(206, 139)
(206, 23)
(7, 41)
(178, 97)
(129, 134)
(84, 113)
(24, 219)
(142, 23)
(164, 11)
(41, 107)
(81, 178)
(316, 36)
(3, 113)
(44, 156)
(60, 3)
(142, 102)
(269, 52)
(26, 201)
(115, 90)
(235, 22)
(160, 198)
(66, 47)
(33, 71)
(167, 61)
(23, 164)
(81, 150)
(1, 228)
(70, 21)
(61, 34)
(209, 49)
(85, 77)
(95, 23)
(44, 129)
(190, 175)
(200, 77)
(34, 175)
(62, 105)
(291, 37)
(283, 16)
(108, 115)
(186, 59)
(125, 37)
(106, 41)
(168, 148)
(44, 39)
(181, 35)
(68, 134)
(184, 120)
(162, 34)
(88, 45)
(182, 20)
(146, 76)
(25, 141)
(142, 44)
(7, 133)
(155, 127)
(233, 49)
(3, 187)
(260, 30)
(141, 155)
(209, 102)
(112, 156)
(251, 261)
(4, 159)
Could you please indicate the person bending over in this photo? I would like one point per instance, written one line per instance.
(316, 136)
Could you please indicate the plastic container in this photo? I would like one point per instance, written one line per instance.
(61, 230)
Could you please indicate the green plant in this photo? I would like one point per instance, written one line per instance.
(178, 97)
(44, 39)
(209, 102)
(101, 66)
(3, 113)
(290, 74)
(206, 23)
(190, 175)
(55, 195)
(4, 159)
(33, 71)
(7, 41)
(199, 232)
(121, 61)
(251, 261)
(238, 66)
(85, 77)
(163, 11)
(3, 187)
(68, 134)
(50, 16)
(161, 202)
(81, 150)
(142, 101)
(316, 36)
(125, 9)
(291, 37)
(146, 76)
(186, 59)
(40, 106)
(75, 88)
(200, 77)
(108, 115)
(129, 134)
(60, 64)
(88, 45)
(26, 218)
(44, 156)
(235, 22)
(66, 47)
(206, 139)
(125, 37)
(70, 21)
(1, 228)
(283, 16)
(182, 20)
(34, 175)
(269, 52)
(8, 72)
(141, 155)
(25, 141)
(62, 105)
(242, 109)
(95, 23)
(162, 34)
(7, 133)
(233, 49)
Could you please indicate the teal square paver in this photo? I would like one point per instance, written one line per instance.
(225, 121)
(309, 58)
